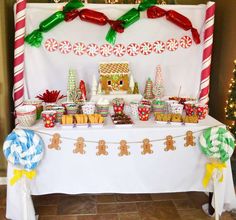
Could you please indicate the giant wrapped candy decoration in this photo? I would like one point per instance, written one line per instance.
(35, 38)
(217, 143)
(24, 149)
(176, 18)
(94, 17)
(129, 18)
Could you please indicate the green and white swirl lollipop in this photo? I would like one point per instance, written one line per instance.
(217, 143)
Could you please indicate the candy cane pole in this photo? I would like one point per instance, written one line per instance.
(207, 50)
(18, 90)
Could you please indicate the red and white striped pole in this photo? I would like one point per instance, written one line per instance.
(18, 90)
(207, 52)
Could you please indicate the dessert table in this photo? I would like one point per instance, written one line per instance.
(158, 158)
(62, 171)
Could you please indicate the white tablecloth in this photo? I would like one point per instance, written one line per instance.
(62, 171)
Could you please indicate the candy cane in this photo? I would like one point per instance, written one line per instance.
(18, 90)
(206, 60)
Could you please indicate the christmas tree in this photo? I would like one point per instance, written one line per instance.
(148, 93)
(71, 85)
(158, 88)
(230, 108)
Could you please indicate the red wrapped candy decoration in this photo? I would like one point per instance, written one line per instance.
(94, 17)
(176, 18)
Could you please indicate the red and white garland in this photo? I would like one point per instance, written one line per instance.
(119, 50)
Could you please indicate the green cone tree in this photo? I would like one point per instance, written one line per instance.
(230, 108)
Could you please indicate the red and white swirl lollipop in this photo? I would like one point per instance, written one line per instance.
(65, 47)
(172, 44)
(159, 47)
(51, 45)
(133, 49)
(185, 42)
(79, 48)
(119, 50)
(106, 50)
(146, 48)
(92, 50)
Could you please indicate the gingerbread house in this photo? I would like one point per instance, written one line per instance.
(114, 77)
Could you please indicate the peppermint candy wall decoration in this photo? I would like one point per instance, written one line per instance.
(159, 46)
(92, 50)
(51, 45)
(185, 42)
(106, 50)
(146, 48)
(65, 47)
(79, 49)
(119, 50)
(133, 49)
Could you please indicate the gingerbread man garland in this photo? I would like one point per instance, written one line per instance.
(123, 148)
(147, 147)
(189, 139)
(169, 143)
(55, 142)
(101, 148)
(79, 146)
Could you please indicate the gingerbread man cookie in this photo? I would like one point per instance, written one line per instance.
(189, 139)
(169, 143)
(102, 148)
(55, 142)
(123, 148)
(147, 147)
(79, 146)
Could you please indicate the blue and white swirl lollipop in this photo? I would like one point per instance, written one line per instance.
(24, 148)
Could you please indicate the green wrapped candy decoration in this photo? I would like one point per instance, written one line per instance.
(217, 143)
(51, 21)
(71, 5)
(145, 4)
(129, 18)
(35, 38)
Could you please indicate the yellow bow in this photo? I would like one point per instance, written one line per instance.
(209, 172)
(19, 173)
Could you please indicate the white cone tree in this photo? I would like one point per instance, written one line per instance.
(94, 85)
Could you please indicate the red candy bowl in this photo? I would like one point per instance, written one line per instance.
(144, 112)
(190, 108)
(202, 110)
(118, 109)
(193, 108)
(49, 118)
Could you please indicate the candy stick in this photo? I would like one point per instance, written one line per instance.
(179, 91)
(207, 52)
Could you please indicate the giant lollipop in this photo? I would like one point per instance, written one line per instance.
(24, 149)
(218, 145)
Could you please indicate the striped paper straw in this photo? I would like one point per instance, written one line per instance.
(207, 51)
(18, 91)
